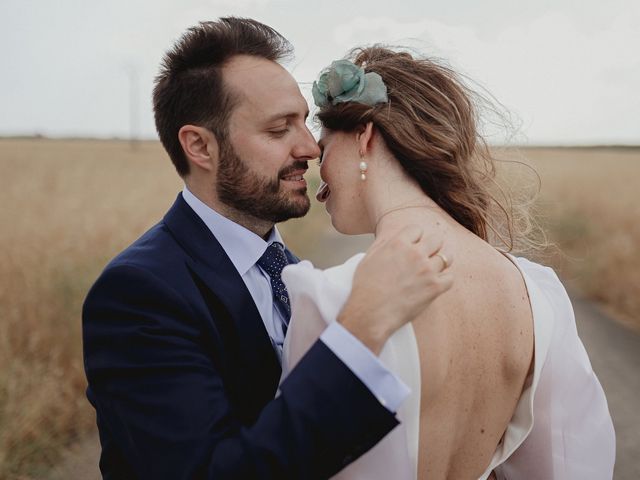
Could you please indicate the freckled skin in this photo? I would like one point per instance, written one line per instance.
(487, 341)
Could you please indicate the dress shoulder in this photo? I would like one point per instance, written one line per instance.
(325, 291)
(561, 428)
(317, 297)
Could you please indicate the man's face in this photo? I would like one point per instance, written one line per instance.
(269, 144)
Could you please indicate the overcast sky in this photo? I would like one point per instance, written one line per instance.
(568, 71)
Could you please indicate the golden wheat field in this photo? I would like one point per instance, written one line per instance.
(66, 207)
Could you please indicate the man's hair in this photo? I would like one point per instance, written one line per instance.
(189, 88)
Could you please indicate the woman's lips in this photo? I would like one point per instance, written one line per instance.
(323, 192)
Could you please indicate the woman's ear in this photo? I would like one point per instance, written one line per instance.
(200, 146)
(364, 136)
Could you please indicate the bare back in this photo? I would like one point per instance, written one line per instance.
(476, 349)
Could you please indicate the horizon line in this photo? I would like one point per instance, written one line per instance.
(116, 138)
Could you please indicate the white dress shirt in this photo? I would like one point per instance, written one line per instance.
(244, 248)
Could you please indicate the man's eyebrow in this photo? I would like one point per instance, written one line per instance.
(282, 115)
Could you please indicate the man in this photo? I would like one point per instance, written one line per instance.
(183, 330)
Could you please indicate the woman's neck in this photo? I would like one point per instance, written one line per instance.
(422, 212)
(394, 200)
(399, 201)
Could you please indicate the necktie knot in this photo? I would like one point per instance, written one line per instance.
(273, 260)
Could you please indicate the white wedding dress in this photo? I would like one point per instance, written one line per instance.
(561, 428)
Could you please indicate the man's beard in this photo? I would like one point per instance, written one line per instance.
(246, 191)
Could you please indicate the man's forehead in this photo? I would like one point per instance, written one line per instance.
(245, 64)
(264, 87)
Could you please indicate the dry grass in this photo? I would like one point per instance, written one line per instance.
(589, 207)
(69, 206)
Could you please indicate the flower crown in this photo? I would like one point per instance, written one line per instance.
(344, 81)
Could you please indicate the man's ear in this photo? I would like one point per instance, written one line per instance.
(364, 136)
(200, 146)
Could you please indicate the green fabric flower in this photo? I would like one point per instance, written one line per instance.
(344, 81)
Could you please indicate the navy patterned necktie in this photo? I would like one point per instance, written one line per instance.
(273, 260)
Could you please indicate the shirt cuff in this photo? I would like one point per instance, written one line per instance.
(384, 384)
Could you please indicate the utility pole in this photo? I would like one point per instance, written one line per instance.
(134, 118)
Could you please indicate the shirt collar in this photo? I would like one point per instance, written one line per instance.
(243, 247)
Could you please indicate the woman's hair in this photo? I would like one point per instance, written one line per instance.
(430, 124)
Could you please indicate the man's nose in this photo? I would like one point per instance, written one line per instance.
(306, 147)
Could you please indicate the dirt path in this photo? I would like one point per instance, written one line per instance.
(613, 349)
(615, 356)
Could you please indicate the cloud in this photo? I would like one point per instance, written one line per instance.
(570, 74)
(564, 81)
(239, 4)
(363, 30)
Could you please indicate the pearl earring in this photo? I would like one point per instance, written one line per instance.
(363, 170)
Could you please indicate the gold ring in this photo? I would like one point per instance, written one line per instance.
(444, 259)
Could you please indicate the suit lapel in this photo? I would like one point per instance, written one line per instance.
(246, 338)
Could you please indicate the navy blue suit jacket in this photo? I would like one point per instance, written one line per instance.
(183, 375)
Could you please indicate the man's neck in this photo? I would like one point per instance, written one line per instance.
(260, 227)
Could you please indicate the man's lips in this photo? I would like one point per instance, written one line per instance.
(295, 176)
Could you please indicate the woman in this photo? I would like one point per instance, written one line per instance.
(501, 384)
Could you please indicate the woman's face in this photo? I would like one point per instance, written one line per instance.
(343, 188)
